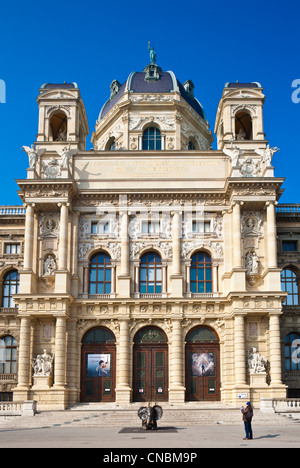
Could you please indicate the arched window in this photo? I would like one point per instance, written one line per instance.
(11, 283)
(289, 283)
(111, 144)
(100, 274)
(59, 127)
(243, 126)
(151, 139)
(201, 273)
(151, 274)
(191, 145)
(8, 355)
(292, 352)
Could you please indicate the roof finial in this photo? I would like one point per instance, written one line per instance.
(152, 53)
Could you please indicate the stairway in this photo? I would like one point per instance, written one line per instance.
(93, 415)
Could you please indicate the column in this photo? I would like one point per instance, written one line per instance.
(75, 228)
(177, 389)
(240, 351)
(164, 279)
(29, 237)
(86, 279)
(60, 352)
(63, 236)
(137, 278)
(123, 390)
(237, 249)
(188, 278)
(124, 244)
(113, 279)
(24, 353)
(215, 277)
(275, 349)
(271, 229)
(176, 243)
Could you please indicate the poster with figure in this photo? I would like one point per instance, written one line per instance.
(203, 364)
(98, 365)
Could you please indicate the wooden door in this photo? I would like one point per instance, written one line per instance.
(98, 370)
(202, 372)
(150, 373)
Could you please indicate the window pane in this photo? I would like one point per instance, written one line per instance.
(151, 274)
(93, 274)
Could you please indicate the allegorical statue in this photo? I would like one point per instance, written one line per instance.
(33, 155)
(267, 154)
(66, 153)
(234, 153)
(152, 53)
(42, 364)
(149, 416)
(257, 364)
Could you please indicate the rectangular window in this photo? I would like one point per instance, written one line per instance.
(201, 226)
(12, 249)
(289, 246)
(100, 228)
(150, 227)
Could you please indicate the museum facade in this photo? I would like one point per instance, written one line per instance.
(152, 267)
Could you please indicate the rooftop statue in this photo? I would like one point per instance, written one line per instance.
(152, 53)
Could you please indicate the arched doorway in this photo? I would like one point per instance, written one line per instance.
(150, 365)
(202, 365)
(98, 366)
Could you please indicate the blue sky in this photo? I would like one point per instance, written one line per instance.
(93, 43)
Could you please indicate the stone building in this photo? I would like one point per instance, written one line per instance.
(146, 269)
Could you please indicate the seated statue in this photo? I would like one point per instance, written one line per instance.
(149, 416)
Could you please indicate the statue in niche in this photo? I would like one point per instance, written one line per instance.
(257, 364)
(33, 155)
(252, 263)
(241, 136)
(62, 135)
(49, 266)
(42, 364)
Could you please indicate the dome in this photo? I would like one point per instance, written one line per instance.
(153, 80)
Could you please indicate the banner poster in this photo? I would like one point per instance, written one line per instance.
(98, 365)
(203, 364)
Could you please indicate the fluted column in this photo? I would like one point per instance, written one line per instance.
(240, 350)
(275, 349)
(124, 244)
(271, 229)
(29, 237)
(24, 353)
(177, 388)
(177, 354)
(236, 226)
(60, 352)
(176, 243)
(63, 236)
(123, 390)
(124, 363)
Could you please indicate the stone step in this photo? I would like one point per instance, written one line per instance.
(128, 418)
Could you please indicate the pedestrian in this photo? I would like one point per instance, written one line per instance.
(247, 418)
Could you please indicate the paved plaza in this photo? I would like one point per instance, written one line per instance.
(192, 437)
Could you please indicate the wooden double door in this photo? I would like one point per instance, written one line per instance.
(98, 373)
(150, 373)
(202, 372)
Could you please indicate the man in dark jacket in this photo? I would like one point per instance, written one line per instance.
(247, 418)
